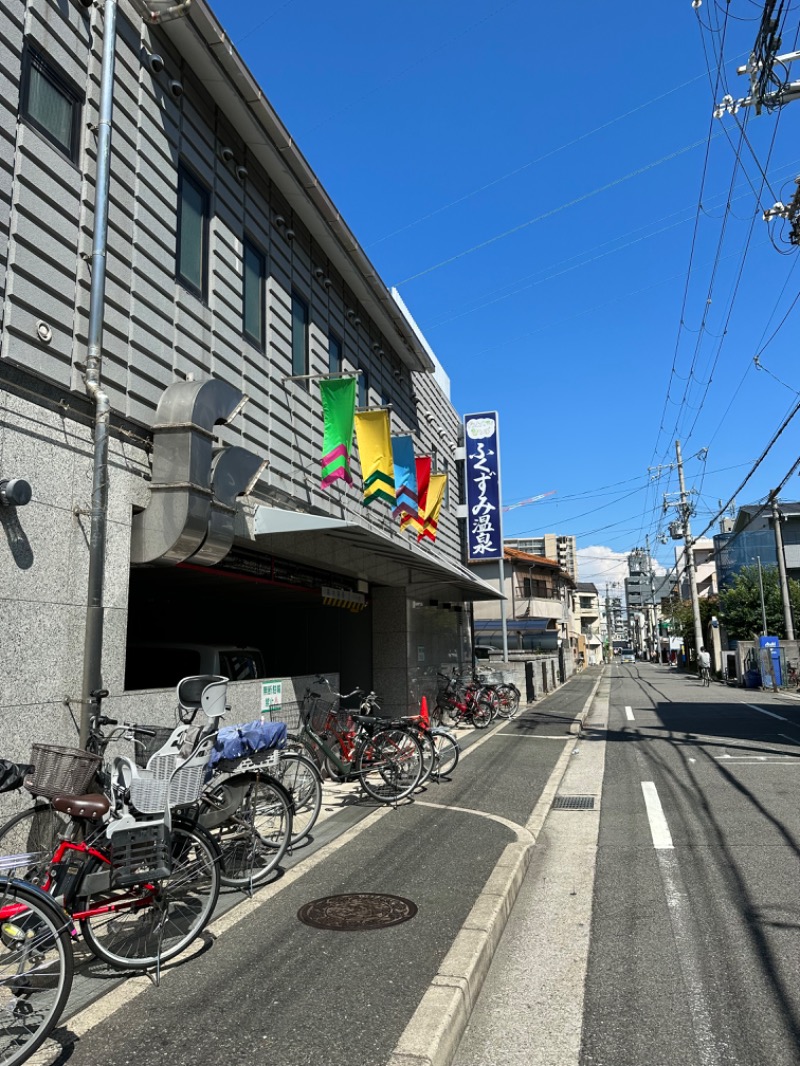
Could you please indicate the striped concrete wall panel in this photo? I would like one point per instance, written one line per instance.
(155, 329)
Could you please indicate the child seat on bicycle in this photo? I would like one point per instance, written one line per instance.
(175, 773)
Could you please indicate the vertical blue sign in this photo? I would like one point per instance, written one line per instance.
(484, 517)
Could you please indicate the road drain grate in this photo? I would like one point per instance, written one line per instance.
(356, 912)
(573, 803)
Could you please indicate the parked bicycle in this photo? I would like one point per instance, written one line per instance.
(464, 703)
(383, 756)
(506, 695)
(242, 804)
(140, 882)
(440, 750)
(36, 968)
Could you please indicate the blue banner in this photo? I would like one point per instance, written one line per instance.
(484, 517)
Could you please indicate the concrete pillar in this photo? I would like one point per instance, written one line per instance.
(390, 665)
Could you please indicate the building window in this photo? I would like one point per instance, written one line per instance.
(535, 588)
(335, 358)
(299, 336)
(50, 104)
(363, 389)
(253, 281)
(192, 254)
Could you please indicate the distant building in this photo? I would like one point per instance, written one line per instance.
(752, 538)
(537, 605)
(705, 569)
(642, 586)
(563, 549)
(586, 612)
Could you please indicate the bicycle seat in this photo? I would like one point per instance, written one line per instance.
(204, 691)
(91, 806)
(370, 719)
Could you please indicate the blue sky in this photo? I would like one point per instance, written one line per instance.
(538, 180)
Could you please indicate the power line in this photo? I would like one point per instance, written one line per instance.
(534, 162)
(755, 466)
(549, 214)
(537, 278)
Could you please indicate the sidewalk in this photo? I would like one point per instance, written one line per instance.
(459, 853)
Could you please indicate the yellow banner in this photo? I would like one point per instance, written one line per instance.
(375, 451)
(433, 507)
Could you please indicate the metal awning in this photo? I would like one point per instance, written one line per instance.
(519, 625)
(346, 547)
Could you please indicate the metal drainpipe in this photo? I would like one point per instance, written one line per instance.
(93, 639)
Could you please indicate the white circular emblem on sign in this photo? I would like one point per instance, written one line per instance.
(480, 428)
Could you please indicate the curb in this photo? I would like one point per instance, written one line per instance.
(577, 725)
(434, 1033)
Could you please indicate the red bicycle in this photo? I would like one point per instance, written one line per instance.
(464, 703)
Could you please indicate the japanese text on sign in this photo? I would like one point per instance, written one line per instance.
(271, 695)
(484, 525)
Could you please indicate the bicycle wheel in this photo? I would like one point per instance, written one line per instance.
(255, 838)
(488, 694)
(508, 697)
(32, 834)
(301, 779)
(428, 754)
(389, 764)
(447, 753)
(159, 921)
(301, 745)
(482, 713)
(36, 969)
(436, 713)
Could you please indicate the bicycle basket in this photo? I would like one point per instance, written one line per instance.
(288, 713)
(61, 771)
(317, 711)
(141, 853)
(147, 746)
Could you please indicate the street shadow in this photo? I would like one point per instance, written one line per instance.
(695, 733)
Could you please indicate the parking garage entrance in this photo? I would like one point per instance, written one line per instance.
(302, 620)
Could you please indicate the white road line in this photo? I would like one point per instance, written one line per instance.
(659, 830)
(761, 760)
(712, 1049)
(629, 714)
(753, 707)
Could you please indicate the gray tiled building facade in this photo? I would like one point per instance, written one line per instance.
(228, 267)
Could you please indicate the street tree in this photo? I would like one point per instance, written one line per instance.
(683, 616)
(740, 605)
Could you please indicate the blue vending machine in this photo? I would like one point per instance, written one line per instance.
(774, 645)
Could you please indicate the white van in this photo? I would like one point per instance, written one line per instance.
(163, 665)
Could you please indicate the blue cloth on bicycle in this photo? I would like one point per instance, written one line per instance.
(236, 741)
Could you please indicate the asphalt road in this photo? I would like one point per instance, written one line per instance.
(661, 927)
(695, 948)
(270, 988)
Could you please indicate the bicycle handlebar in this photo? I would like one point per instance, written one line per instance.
(332, 691)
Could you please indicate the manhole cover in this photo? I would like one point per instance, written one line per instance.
(356, 911)
(573, 803)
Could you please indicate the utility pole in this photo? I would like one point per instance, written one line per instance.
(761, 593)
(609, 626)
(651, 611)
(685, 511)
(787, 606)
